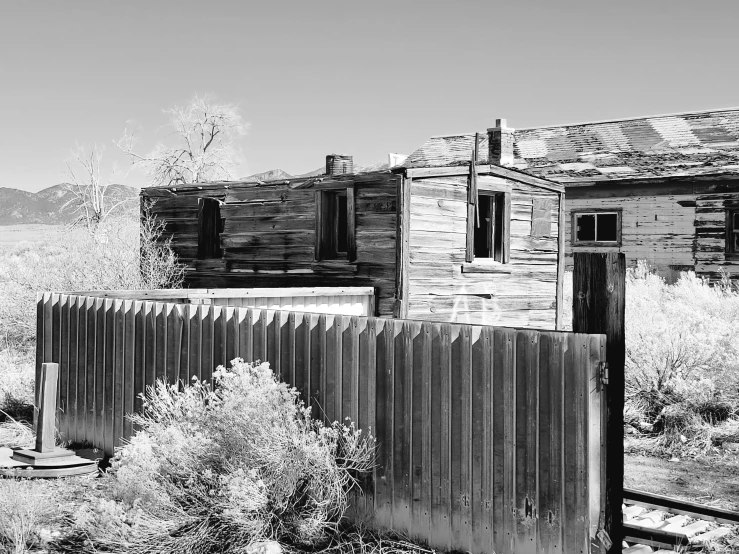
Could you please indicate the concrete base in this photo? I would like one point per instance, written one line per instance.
(59, 463)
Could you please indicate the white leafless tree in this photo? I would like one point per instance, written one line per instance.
(202, 144)
(93, 198)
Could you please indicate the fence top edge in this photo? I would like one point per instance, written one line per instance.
(279, 292)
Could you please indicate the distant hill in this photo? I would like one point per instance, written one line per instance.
(19, 206)
(274, 174)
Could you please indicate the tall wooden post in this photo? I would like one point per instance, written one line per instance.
(599, 286)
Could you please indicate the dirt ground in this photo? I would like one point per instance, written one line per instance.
(714, 482)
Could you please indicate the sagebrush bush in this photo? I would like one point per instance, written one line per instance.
(216, 469)
(682, 357)
(24, 506)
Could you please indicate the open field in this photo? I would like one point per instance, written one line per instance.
(10, 234)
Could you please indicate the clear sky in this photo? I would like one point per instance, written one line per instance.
(365, 78)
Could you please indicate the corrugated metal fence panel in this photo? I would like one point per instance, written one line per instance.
(489, 439)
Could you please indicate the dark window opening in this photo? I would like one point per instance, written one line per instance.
(598, 227)
(210, 227)
(335, 225)
(488, 227)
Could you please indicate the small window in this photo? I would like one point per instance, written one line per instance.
(732, 231)
(210, 227)
(335, 225)
(596, 228)
(487, 229)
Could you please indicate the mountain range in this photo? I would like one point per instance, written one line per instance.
(19, 207)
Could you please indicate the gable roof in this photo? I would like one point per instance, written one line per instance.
(686, 144)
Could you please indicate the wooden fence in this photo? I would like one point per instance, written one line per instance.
(489, 439)
(322, 300)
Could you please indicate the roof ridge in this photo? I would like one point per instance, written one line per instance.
(598, 122)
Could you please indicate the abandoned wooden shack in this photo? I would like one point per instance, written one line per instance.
(474, 243)
(663, 189)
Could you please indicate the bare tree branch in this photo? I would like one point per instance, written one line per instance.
(204, 149)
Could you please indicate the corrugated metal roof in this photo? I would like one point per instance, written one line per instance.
(696, 143)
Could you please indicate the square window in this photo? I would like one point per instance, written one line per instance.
(596, 228)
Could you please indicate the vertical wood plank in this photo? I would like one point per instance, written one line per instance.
(174, 328)
(401, 507)
(301, 343)
(333, 373)
(62, 394)
(219, 337)
(551, 355)
(593, 422)
(315, 362)
(258, 325)
(160, 329)
(504, 440)
(129, 357)
(481, 497)
(206, 343)
(384, 423)
(91, 316)
(73, 373)
(402, 242)
(282, 359)
(232, 337)
(368, 396)
(114, 409)
(245, 334)
(416, 347)
(527, 411)
(441, 438)
(139, 362)
(150, 337)
(107, 377)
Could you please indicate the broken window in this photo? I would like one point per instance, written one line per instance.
(488, 227)
(335, 224)
(596, 228)
(210, 227)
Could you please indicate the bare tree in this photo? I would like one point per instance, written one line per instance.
(203, 144)
(93, 198)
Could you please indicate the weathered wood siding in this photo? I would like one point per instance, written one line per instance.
(489, 439)
(710, 235)
(653, 228)
(269, 235)
(522, 295)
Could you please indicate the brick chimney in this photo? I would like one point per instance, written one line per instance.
(337, 164)
(500, 143)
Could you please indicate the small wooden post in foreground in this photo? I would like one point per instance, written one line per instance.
(47, 408)
(599, 286)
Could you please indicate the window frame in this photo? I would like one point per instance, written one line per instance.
(730, 251)
(327, 225)
(596, 211)
(210, 228)
(505, 252)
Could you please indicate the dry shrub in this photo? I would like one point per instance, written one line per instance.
(214, 470)
(124, 253)
(24, 508)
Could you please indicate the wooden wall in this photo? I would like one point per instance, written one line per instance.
(489, 439)
(269, 234)
(523, 294)
(654, 228)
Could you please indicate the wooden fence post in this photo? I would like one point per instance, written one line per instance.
(599, 283)
(47, 408)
